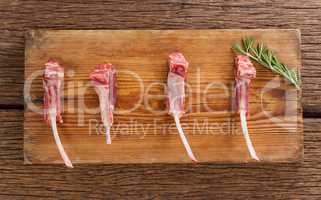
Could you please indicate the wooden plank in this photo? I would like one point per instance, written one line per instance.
(158, 181)
(140, 57)
(298, 181)
(18, 16)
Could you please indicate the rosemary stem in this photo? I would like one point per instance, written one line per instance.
(264, 56)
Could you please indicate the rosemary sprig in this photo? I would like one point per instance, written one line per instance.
(264, 56)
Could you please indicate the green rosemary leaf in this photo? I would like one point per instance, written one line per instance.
(260, 48)
(248, 42)
(266, 57)
(238, 49)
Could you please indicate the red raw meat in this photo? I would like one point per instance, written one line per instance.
(244, 72)
(52, 83)
(53, 78)
(176, 94)
(103, 78)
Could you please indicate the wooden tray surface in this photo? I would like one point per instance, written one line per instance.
(141, 132)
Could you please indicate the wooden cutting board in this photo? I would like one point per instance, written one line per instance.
(142, 131)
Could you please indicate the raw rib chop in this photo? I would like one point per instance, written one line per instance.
(176, 94)
(103, 79)
(244, 72)
(52, 82)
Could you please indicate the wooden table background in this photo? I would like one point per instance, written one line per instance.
(204, 181)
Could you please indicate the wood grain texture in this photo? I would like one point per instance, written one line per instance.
(140, 57)
(18, 16)
(283, 181)
(156, 181)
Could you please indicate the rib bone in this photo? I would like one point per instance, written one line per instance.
(52, 83)
(245, 71)
(103, 78)
(176, 94)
